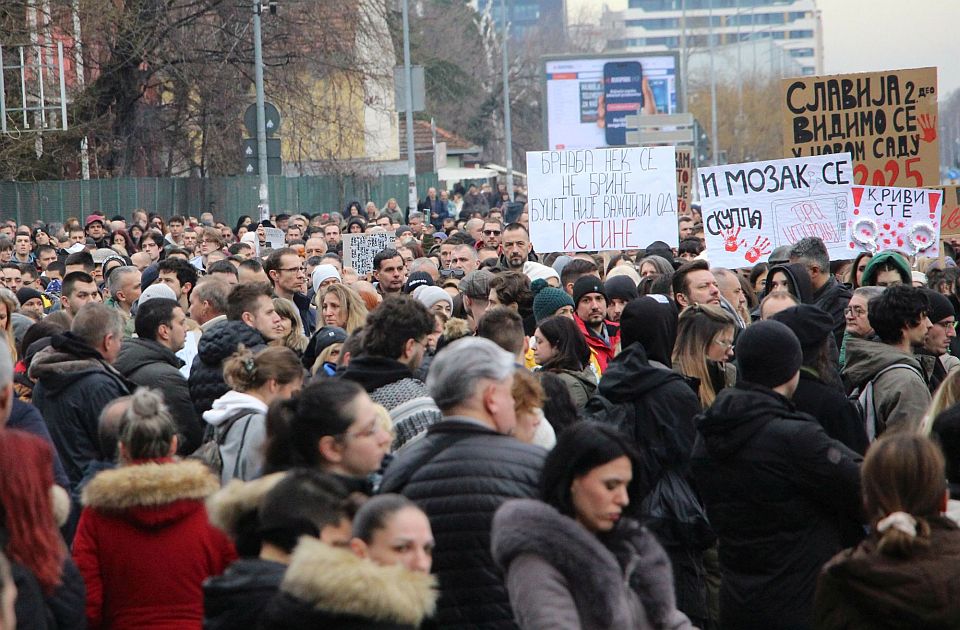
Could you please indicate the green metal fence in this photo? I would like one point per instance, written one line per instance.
(226, 197)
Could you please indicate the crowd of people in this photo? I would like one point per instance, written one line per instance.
(203, 428)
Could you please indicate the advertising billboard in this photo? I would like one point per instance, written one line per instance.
(589, 97)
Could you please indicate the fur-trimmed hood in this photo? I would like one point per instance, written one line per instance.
(152, 494)
(237, 499)
(527, 526)
(336, 582)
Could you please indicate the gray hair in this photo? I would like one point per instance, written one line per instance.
(458, 369)
(424, 264)
(6, 361)
(868, 293)
(661, 264)
(94, 322)
(115, 281)
(811, 250)
(214, 291)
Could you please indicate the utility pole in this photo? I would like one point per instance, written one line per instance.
(683, 55)
(408, 97)
(713, 90)
(261, 114)
(78, 63)
(507, 128)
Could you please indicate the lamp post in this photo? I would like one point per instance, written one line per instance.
(261, 114)
(408, 98)
(507, 128)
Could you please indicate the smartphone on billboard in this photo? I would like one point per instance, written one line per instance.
(622, 96)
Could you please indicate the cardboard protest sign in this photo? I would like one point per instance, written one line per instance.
(751, 209)
(904, 219)
(950, 228)
(602, 199)
(359, 250)
(887, 121)
(684, 176)
(275, 238)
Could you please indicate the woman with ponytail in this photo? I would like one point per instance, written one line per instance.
(906, 574)
(144, 544)
(332, 426)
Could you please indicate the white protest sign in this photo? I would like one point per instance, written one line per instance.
(275, 239)
(602, 199)
(359, 250)
(751, 209)
(904, 219)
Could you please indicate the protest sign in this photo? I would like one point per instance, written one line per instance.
(684, 175)
(950, 228)
(602, 199)
(751, 209)
(887, 121)
(359, 250)
(275, 239)
(904, 219)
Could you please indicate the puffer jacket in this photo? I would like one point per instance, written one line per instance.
(560, 575)
(459, 473)
(238, 598)
(779, 494)
(74, 384)
(864, 589)
(326, 587)
(144, 545)
(900, 395)
(219, 342)
(150, 364)
(242, 447)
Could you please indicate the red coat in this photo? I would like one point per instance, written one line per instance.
(144, 546)
(604, 351)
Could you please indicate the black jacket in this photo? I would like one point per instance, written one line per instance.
(833, 298)
(150, 364)
(833, 410)
(74, 384)
(459, 473)
(206, 376)
(946, 428)
(25, 417)
(308, 314)
(64, 609)
(779, 493)
(237, 598)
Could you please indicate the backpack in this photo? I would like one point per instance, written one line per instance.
(209, 451)
(863, 400)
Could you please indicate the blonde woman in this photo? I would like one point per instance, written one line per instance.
(704, 348)
(292, 337)
(8, 306)
(341, 306)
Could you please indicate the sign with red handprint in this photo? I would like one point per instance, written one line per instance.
(907, 220)
(751, 209)
(886, 120)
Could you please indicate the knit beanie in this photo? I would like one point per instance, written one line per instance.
(25, 294)
(811, 324)
(940, 306)
(548, 299)
(416, 280)
(324, 272)
(536, 271)
(622, 287)
(586, 285)
(768, 354)
(156, 291)
(430, 295)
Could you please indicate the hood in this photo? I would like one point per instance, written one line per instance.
(153, 494)
(241, 579)
(338, 582)
(585, 376)
(375, 372)
(238, 499)
(527, 526)
(651, 320)
(65, 361)
(629, 376)
(865, 358)
(136, 353)
(885, 259)
(220, 341)
(230, 403)
(799, 278)
(738, 413)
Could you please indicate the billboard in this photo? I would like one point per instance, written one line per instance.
(588, 97)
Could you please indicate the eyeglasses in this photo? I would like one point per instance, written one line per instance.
(728, 345)
(370, 431)
(491, 232)
(946, 325)
(856, 311)
(452, 273)
(293, 269)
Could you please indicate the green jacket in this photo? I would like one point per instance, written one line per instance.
(886, 259)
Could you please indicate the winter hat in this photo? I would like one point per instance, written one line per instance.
(548, 299)
(103, 254)
(622, 287)
(149, 276)
(940, 306)
(585, 285)
(476, 284)
(768, 353)
(430, 295)
(811, 324)
(322, 339)
(560, 263)
(26, 294)
(416, 280)
(536, 271)
(659, 248)
(403, 228)
(779, 256)
(156, 291)
(324, 272)
(625, 270)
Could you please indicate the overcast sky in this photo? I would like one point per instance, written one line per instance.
(869, 35)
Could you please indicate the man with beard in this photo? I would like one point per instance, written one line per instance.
(603, 336)
(514, 247)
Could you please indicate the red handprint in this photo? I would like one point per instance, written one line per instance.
(760, 247)
(730, 240)
(928, 125)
